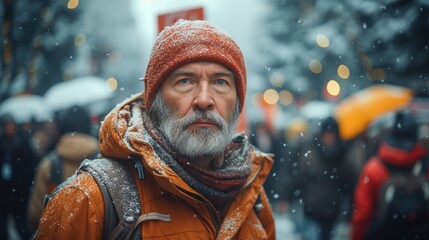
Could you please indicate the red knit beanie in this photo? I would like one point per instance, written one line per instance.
(192, 41)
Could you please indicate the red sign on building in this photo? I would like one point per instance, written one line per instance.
(169, 19)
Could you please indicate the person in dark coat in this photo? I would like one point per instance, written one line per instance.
(319, 180)
(17, 171)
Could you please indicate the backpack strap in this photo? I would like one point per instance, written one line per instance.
(120, 196)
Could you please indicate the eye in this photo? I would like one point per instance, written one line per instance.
(221, 82)
(182, 84)
(223, 85)
(183, 81)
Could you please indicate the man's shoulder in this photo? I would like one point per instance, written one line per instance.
(84, 181)
(82, 185)
(373, 164)
(76, 208)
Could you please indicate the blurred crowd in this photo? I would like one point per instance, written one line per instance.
(35, 158)
(318, 181)
(313, 178)
(325, 187)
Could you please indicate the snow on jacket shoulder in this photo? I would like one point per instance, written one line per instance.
(76, 212)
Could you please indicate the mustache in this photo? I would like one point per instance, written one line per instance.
(160, 112)
(203, 115)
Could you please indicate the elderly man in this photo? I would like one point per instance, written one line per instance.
(198, 178)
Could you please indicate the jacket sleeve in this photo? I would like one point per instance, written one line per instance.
(76, 212)
(365, 196)
(266, 216)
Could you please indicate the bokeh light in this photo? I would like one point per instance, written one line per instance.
(315, 66)
(322, 40)
(343, 71)
(285, 97)
(271, 96)
(333, 88)
(72, 4)
(112, 83)
(79, 39)
(277, 79)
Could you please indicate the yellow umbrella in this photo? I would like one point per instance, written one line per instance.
(356, 112)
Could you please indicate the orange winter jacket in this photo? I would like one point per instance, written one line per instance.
(77, 211)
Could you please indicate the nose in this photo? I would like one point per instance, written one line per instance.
(204, 97)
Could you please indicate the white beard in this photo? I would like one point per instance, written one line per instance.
(198, 142)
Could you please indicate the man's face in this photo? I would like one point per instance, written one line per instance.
(330, 146)
(198, 108)
(328, 138)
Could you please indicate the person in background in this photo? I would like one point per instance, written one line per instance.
(17, 171)
(75, 144)
(321, 181)
(401, 149)
(263, 138)
(45, 137)
(198, 179)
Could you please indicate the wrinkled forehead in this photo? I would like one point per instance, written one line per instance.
(218, 67)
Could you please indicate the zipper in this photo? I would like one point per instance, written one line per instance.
(214, 215)
(215, 218)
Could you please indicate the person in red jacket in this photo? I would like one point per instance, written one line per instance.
(400, 149)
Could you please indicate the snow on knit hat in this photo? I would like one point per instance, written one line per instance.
(191, 41)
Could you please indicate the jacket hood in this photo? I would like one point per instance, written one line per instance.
(122, 127)
(75, 147)
(123, 136)
(401, 157)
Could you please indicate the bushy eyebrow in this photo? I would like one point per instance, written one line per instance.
(224, 74)
(181, 73)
